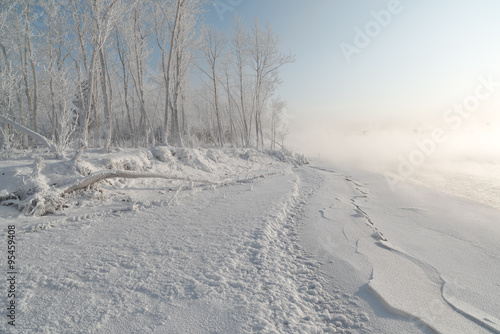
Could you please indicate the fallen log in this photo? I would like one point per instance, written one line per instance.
(111, 174)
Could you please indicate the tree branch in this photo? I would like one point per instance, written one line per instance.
(111, 174)
(53, 147)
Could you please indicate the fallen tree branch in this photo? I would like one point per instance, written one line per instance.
(111, 174)
(53, 147)
(176, 193)
(40, 203)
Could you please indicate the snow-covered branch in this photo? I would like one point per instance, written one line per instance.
(53, 147)
(111, 174)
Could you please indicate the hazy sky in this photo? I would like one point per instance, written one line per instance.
(428, 56)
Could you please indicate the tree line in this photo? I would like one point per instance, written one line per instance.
(104, 73)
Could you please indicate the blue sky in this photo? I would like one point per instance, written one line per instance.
(429, 56)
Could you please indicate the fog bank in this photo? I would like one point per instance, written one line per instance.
(463, 161)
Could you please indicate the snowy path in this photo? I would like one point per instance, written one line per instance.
(223, 261)
(295, 252)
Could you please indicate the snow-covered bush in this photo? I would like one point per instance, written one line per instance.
(35, 197)
(83, 167)
(192, 158)
(246, 155)
(216, 155)
(137, 161)
(164, 154)
(288, 156)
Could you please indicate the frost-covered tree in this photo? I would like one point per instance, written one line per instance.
(134, 47)
(240, 61)
(9, 76)
(265, 61)
(212, 50)
(277, 108)
(103, 14)
(87, 73)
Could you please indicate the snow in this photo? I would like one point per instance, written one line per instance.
(279, 248)
(438, 244)
(474, 177)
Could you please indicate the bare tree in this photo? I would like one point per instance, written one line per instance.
(102, 14)
(239, 36)
(99, 69)
(56, 51)
(277, 107)
(27, 63)
(212, 51)
(137, 29)
(121, 51)
(166, 31)
(9, 79)
(265, 61)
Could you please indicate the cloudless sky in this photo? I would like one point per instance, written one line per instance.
(429, 57)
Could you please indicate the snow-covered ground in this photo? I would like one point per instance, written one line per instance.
(277, 247)
(440, 262)
(475, 178)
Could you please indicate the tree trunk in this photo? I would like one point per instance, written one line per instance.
(216, 105)
(121, 55)
(169, 64)
(29, 54)
(107, 111)
(82, 144)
